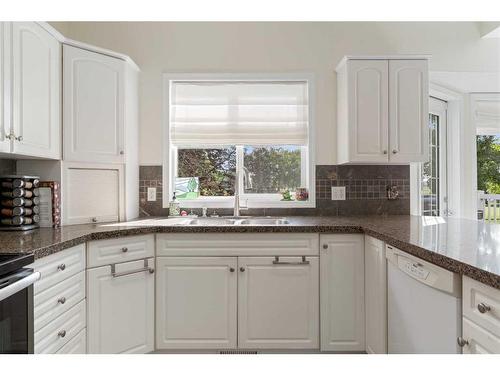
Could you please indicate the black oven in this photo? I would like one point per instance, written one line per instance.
(16, 303)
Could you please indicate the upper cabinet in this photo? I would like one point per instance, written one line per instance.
(382, 110)
(94, 95)
(31, 94)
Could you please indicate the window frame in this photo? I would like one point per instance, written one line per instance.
(438, 107)
(308, 163)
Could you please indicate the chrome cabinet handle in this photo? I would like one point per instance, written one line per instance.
(20, 138)
(62, 300)
(124, 249)
(122, 152)
(10, 136)
(61, 267)
(242, 269)
(146, 268)
(462, 342)
(394, 151)
(61, 333)
(94, 220)
(385, 152)
(325, 246)
(483, 308)
(277, 261)
(231, 269)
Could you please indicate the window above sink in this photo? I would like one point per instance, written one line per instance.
(257, 127)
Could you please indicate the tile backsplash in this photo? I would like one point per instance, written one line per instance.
(366, 191)
(7, 166)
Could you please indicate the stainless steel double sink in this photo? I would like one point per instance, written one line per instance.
(237, 220)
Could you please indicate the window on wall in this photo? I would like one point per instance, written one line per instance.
(433, 186)
(252, 128)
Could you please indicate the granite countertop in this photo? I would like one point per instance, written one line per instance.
(463, 246)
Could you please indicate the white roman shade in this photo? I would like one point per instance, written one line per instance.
(239, 112)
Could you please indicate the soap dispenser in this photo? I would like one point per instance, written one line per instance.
(174, 208)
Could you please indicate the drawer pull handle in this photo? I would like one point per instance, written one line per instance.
(231, 269)
(62, 300)
(483, 308)
(325, 246)
(462, 342)
(61, 267)
(124, 249)
(242, 269)
(61, 333)
(278, 262)
(146, 268)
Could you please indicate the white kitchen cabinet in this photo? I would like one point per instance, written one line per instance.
(478, 340)
(36, 58)
(408, 110)
(94, 92)
(375, 296)
(342, 292)
(90, 192)
(120, 308)
(278, 302)
(382, 109)
(196, 303)
(5, 143)
(31, 90)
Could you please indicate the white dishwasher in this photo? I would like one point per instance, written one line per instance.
(424, 306)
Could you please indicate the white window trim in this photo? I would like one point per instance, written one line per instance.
(458, 173)
(248, 200)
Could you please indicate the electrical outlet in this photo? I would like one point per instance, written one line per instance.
(338, 193)
(151, 194)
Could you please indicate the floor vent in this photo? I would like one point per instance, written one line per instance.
(238, 351)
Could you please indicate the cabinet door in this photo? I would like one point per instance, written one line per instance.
(342, 292)
(479, 340)
(121, 308)
(278, 304)
(36, 91)
(408, 110)
(93, 109)
(368, 110)
(375, 296)
(196, 302)
(5, 143)
(93, 193)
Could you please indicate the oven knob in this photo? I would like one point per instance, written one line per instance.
(61, 333)
(62, 300)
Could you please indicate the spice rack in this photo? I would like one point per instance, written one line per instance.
(19, 202)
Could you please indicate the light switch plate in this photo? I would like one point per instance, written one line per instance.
(338, 193)
(151, 194)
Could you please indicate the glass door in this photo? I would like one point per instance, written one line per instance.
(433, 181)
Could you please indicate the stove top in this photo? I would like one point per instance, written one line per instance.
(12, 262)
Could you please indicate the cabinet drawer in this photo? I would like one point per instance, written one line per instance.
(58, 299)
(479, 341)
(237, 244)
(77, 345)
(119, 250)
(59, 266)
(481, 304)
(56, 334)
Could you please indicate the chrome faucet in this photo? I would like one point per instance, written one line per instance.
(247, 183)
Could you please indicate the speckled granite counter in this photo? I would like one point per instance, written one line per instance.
(464, 246)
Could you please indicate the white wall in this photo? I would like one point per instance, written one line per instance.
(276, 47)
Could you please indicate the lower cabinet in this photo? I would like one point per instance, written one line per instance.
(278, 302)
(342, 292)
(120, 305)
(77, 345)
(196, 302)
(479, 340)
(244, 302)
(375, 296)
